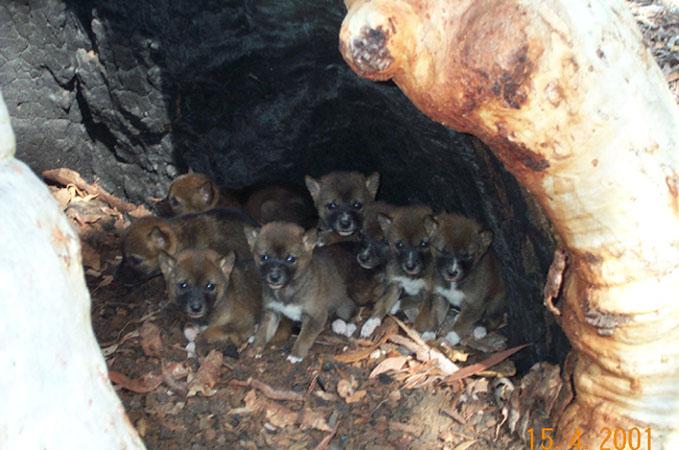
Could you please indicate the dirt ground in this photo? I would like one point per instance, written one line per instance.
(322, 402)
(348, 393)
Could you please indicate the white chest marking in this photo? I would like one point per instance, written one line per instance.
(454, 296)
(412, 286)
(293, 312)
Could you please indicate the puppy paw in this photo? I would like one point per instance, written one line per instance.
(351, 329)
(479, 332)
(428, 336)
(294, 359)
(339, 327)
(251, 339)
(452, 338)
(370, 326)
(190, 350)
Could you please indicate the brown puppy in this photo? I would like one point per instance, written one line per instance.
(466, 277)
(195, 192)
(372, 254)
(211, 290)
(341, 199)
(218, 229)
(409, 267)
(279, 203)
(299, 281)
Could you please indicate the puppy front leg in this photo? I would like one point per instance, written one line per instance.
(311, 328)
(267, 328)
(383, 307)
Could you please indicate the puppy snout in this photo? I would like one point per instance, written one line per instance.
(275, 275)
(345, 221)
(196, 307)
(411, 263)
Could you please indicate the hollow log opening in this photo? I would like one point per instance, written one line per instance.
(248, 92)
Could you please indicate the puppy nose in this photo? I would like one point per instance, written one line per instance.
(345, 220)
(274, 276)
(410, 265)
(363, 256)
(196, 307)
(453, 272)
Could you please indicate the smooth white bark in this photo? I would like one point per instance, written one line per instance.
(54, 387)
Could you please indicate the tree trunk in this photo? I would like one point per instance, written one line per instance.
(572, 103)
(54, 384)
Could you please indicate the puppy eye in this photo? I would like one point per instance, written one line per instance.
(399, 244)
(424, 243)
(331, 205)
(264, 258)
(210, 286)
(291, 259)
(135, 260)
(182, 285)
(357, 204)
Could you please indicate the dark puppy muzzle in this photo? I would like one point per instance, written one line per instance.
(194, 304)
(275, 275)
(345, 222)
(411, 263)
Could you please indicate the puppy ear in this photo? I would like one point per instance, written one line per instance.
(251, 234)
(372, 184)
(310, 239)
(167, 264)
(226, 264)
(159, 238)
(485, 239)
(314, 187)
(430, 225)
(385, 222)
(206, 192)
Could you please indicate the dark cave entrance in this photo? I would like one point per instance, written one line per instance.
(134, 93)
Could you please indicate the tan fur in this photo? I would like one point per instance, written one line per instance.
(195, 192)
(218, 229)
(316, 287)
(483, 287)
(278, 203)
(343, 189)
(237, 294)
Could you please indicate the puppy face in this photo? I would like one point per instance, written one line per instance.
(281, 250)
(408, 231)
(192, 193)
(196, 279)
(341, 198)
(144, 239)
(458, 244)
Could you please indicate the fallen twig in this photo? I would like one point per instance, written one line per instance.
(274, 394)
(67, 177)
(474, 369)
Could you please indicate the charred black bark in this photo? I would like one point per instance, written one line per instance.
(134, 93)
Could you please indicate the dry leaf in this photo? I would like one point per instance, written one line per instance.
(346, 387)
(396, 363)
(474, 369)
(355, 356)
(207, 375)
(274, 394)
(465, 445)
(151, 343)
(356, 397)
(142, 385)
(313, 419)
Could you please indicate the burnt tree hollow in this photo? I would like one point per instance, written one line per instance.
(249, 92)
